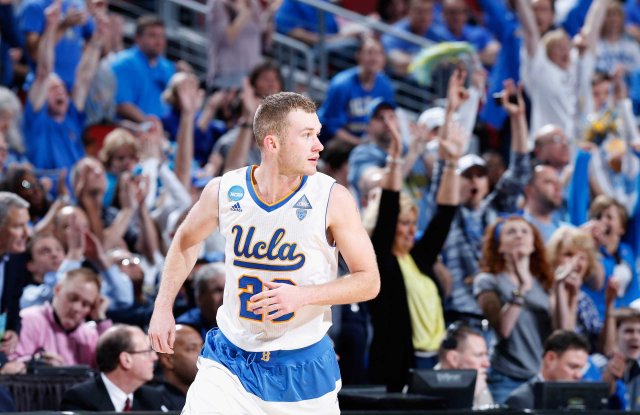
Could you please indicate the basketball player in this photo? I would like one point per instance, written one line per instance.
(284, 224)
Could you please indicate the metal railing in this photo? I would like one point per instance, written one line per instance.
(188, 42)
(304, 67)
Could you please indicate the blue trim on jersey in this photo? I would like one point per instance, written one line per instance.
(265, 267)
(326, 212)
(265, 206)
(285, 375)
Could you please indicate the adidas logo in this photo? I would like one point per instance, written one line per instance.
(236, 207)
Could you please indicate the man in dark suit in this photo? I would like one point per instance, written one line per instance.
(14, 233)
(179, 369)
(125, 361)
(565, 356)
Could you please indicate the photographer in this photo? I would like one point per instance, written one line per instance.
(237, 147)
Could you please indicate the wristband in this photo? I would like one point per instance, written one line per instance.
(398, 161)
(450, 164)
(517, 298)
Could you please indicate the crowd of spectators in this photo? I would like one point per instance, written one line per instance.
(505, 219)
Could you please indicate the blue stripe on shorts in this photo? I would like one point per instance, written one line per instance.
(281, 375)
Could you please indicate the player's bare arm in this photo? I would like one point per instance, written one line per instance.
(201, 221)
(345, 228)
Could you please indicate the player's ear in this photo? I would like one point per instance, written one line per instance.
(271, 142)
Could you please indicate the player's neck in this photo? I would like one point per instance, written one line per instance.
(271, 185)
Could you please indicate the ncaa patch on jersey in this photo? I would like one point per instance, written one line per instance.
(303, 203)
(235, 193)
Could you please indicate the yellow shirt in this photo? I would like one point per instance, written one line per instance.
(425, 308)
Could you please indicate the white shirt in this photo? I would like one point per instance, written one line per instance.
(625, 52)
(117, 395)
(558, 96)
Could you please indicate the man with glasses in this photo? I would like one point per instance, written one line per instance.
(126, 362)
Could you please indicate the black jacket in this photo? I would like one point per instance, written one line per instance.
(392, 354)
(92, 395)
(16, 277)
(523, 396)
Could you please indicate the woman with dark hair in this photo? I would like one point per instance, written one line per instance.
(513, 292)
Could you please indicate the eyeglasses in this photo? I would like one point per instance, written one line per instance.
(148, 351)
(134, 260)
(27, 185)
(556, 139)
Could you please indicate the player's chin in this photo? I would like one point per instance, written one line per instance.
(311, 167)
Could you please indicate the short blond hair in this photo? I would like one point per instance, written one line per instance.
(271, 116)
(574, 239)
(113, 141)
(370, 215)
(552, 37)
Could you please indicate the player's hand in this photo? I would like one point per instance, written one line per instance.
(162, 331)
(278, 299)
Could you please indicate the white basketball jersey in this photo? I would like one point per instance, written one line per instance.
(283, 242)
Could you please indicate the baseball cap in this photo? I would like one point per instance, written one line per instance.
(377, 104)
(469, 161)
(199, 179)
(432, 118)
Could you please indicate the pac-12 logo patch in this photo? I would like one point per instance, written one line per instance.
(302, 205)
(236, 193)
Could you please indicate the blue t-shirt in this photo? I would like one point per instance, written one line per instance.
(347, 102)
(194, 318)
(139, 83)
(504, 25)
(52, 144)
(391, 42)
(632, 12)
(203, 141)
(625, 255)
(69, 47)
(9, 38)
(295, 15)
(477, 36)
